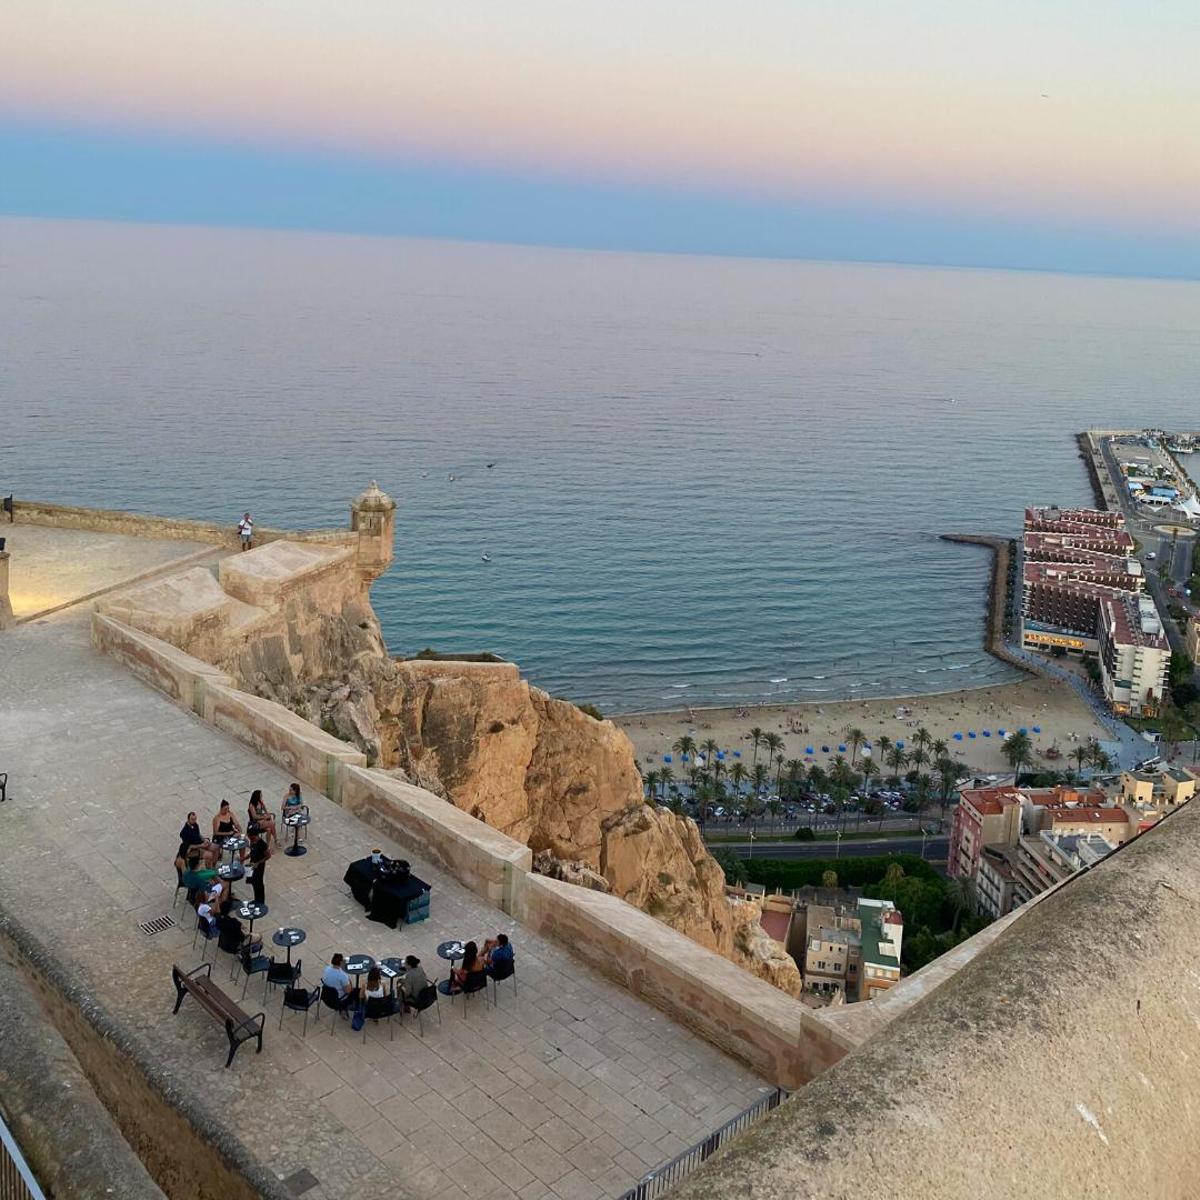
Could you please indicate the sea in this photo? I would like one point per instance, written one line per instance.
(651, 480)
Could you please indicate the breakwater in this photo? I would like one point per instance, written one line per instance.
(1003, 580)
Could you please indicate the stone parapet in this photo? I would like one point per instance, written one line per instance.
(481, 858)
(1056, 1064)
(777, 1036)
(266, 576)
(111, 520)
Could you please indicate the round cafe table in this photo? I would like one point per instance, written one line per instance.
(235, 845)
(251, 911)
(231, 872)
(396, 968)
(296, 821)
(288, 938)
(358, 964)
(451, 952)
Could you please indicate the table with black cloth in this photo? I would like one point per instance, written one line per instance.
(386, 898)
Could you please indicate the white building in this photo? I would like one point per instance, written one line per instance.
(1135, 656)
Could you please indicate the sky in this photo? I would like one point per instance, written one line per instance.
(1061, 135)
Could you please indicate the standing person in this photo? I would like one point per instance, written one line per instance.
(246, 531)
(259, 853)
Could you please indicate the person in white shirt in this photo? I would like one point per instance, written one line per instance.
(246, 530)
(205, 913)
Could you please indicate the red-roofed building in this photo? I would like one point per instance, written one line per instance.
(984, 816)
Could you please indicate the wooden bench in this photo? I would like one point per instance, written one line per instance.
(239, 1027)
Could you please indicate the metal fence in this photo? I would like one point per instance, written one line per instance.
(662, 1178)
(16, 1179)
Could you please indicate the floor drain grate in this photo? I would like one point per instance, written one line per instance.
(156, 925)
(300, 1182)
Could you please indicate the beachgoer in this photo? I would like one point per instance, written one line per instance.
(246, 531)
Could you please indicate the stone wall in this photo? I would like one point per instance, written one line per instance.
(111, 520)
(779, 1037)
(1056, 1064)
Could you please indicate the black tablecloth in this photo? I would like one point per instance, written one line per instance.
(385, 900)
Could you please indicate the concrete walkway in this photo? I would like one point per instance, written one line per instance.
(570, 1089)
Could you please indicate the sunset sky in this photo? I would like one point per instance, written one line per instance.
(994, 132)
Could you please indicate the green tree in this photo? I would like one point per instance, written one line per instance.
(779, 761)
(854, 739)
(829, 879)
(896, 759)
(870, 769)
(650, 783)
(709, 749)
(894, 874)
(795, 777)
(949, 773)
(685, 747)
(1018, 751)
(756, 737)
(666, 777)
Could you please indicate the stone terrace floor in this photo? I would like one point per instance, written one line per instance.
(570, 1089)
(52, 566)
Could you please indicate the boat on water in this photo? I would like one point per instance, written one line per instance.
(486, 557)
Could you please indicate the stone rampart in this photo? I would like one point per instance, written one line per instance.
(1056, 1064)
(111, 520)
(784, 1041)
(481, 858)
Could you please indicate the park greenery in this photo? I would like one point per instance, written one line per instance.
(938, 913)
(771, 779)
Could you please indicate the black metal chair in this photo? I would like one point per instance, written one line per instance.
(332, 999)
(475, 982)
(281, 974)
(379, 1008)
(3, 786)
(500, 972)
(180, 886)
(298, 999)
(426, 998)
(252, 963)
(203, 930)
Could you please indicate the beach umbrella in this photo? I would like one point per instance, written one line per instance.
(1002, 732)
(958, 737)
(824, 749)
(1037, 729)
(666, 758)
(809, 750)
(720, 756)
(1022, 730)
(899, 745)
(841, 749)
(684, 758)
(987, 733)
(970, 733)
(737, 754)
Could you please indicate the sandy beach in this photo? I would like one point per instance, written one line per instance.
(1059, 713)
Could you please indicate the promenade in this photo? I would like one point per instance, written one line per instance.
(568, 1090)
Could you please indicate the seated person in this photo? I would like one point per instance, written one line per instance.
(193, 845)
(206, 913)
(260, 815)
(292, 801)
(335, 977)
(472, 966)
(225, 825)
(415, 980)
(232, 934)
(497, 951)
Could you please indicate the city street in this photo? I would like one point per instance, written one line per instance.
(936, 848)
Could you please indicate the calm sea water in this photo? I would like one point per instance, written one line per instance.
(714, 480)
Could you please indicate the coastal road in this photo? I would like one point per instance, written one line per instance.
(936, 848)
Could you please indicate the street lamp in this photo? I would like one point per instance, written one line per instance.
(751, 854)
(839, 844)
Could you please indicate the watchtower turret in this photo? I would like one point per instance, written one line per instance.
(373, 518)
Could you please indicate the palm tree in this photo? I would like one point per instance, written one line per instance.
(885, 744)
(893, 874)
(1081, 754)
(709, 749)
(896, 759)
(666, 777)
(685, 747)
(829, 879)
(650, 782)
(961, 894)
(1097, 757)
(939, 750)
(855, 739)
(759, 776)
(704, 797)
(923, 738)
(949, 773)
(773, 742)
(870, 769)
(737, 776)
(917, 757)
(756, 736)
(1017, 750)
(779, 761)
(795, 772)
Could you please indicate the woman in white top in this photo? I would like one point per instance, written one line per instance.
(375, 990)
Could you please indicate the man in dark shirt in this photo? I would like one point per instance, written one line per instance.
(193, 843)
(259, 853)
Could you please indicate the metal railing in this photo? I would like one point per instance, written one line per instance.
(16, 1179)
(661, 1178)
